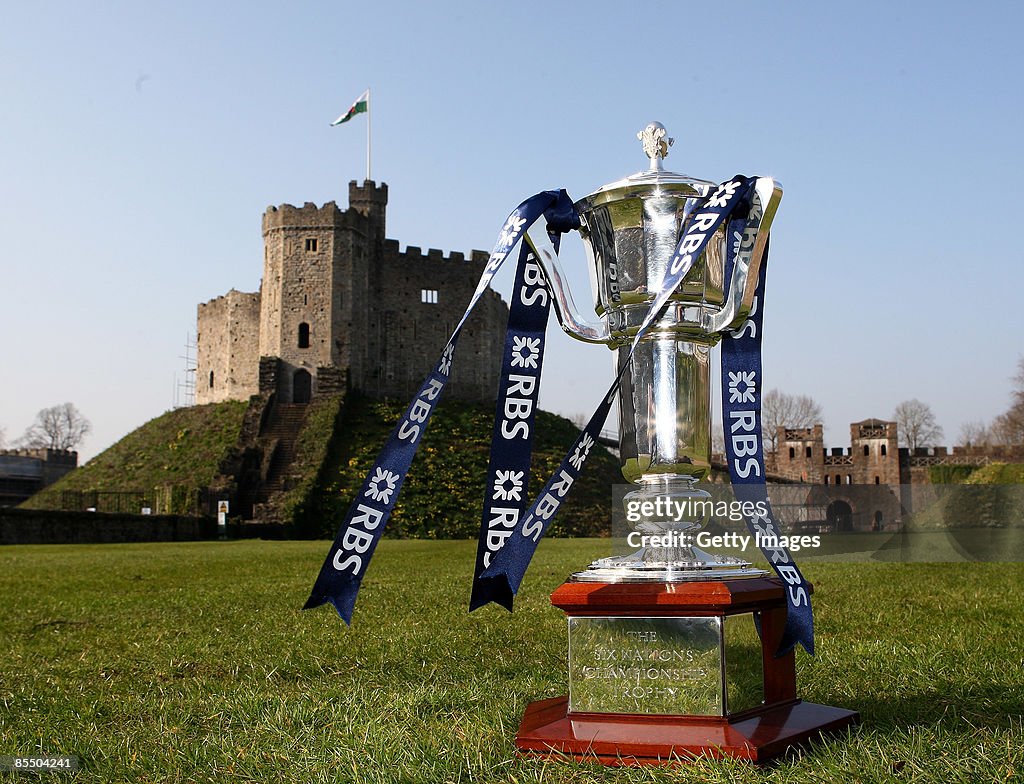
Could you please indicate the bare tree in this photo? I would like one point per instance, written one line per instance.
(975, 434)
(779, 409)
(916, 424)
(58, 427)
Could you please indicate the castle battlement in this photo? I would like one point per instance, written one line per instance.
(58, 457)
(233, 297)
(309, 216)
(415, 254)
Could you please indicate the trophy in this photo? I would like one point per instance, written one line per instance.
(671, 648)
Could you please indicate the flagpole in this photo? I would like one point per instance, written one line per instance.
(369, 114)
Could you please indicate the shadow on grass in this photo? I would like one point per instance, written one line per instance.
(948, 706)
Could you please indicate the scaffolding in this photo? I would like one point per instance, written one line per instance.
(185, 390)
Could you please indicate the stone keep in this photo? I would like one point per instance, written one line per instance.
(338, 299)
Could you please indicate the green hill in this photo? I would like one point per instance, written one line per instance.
(175, 453)
(443, 492)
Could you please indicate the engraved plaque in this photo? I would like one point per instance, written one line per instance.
(646, 665)
(744, 666)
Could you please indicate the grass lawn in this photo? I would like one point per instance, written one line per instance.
(192, 662)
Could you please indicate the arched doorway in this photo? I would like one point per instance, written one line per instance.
(302, 386)
(840, 515)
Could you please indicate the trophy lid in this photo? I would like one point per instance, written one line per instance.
(654, 181)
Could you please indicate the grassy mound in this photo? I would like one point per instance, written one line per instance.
(442, 495)
(181, 448)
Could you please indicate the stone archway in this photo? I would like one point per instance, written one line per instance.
(840, 515)
(302, 386)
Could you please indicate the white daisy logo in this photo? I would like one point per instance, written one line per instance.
(525, 352)
(582, 451)
(508, 486)
(445, 365)
(742, 387)
(382, 485)
(725, 192)
(511, 230)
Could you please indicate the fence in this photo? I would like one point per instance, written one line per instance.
(164, 500)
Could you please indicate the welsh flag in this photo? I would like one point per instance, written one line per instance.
(361, 104)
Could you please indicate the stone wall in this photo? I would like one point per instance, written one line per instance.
(419, 298)
(31, 526)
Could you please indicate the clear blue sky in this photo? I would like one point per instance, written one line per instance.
(142, 142)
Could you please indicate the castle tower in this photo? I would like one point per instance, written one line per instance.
(312, 257)
(801, 453)
(227, 339)
(874, 447)
(370, 200)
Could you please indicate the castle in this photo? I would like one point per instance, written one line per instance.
(874, 483)
(341, 305)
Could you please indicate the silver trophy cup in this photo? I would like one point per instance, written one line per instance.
(631, 229)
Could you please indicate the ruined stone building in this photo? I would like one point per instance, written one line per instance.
(339, 303)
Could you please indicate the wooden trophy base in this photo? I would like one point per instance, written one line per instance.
(759, 734)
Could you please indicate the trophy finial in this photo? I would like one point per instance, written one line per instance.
(656, 143)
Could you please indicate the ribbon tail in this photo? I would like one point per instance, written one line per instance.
(489, 589)
(799, 630)
(341, 594)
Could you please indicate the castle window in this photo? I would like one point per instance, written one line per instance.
(808, 451)
(311, 244)
(839, 479)
(883, 450)
(792, 453)
(867, 450)
(826, 478)
(878, 480)
(849, 479)
(303, 335)
(428, 296)
(211, 379)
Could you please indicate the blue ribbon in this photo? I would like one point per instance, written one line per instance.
(508, 473)
(744, 449)
(342, 572)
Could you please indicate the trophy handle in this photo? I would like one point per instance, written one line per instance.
(569, 316)
(747, 270)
